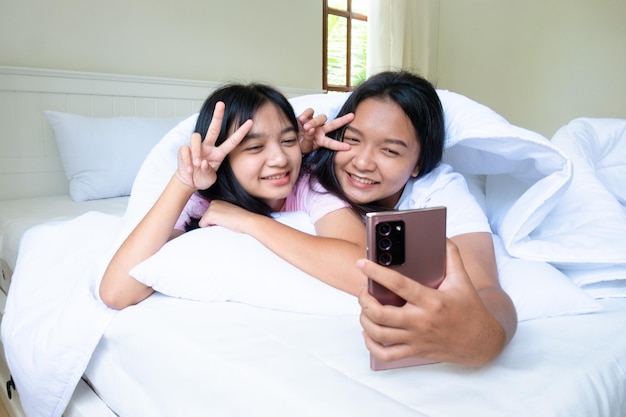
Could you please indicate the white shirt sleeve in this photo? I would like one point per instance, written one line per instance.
(444, 187)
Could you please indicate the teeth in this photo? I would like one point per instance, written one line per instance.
(362, 180)
(276, 177)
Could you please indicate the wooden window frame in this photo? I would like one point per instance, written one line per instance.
(350, 16)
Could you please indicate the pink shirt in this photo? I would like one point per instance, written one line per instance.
(309, 198)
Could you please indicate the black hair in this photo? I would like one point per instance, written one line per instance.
(420, 102)
(241, 103)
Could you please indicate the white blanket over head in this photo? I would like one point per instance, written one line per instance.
(586, 230)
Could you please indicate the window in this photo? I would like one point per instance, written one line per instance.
(345, 44)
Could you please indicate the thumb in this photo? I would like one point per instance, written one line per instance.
(456, 274)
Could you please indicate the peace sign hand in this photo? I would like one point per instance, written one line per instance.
(199, 161)
(313, 130)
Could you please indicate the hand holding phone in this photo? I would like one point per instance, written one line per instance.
(412, 242)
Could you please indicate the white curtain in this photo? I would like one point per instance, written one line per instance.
(403, 34)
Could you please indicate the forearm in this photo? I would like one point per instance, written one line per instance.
(479, 261)
(118, 289)
(501, 308)
(329, 259)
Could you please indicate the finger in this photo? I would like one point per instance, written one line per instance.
(338, 122)
(384, 334)
(374, 314)
(306, 115)
(316, 122)
(367, 301)
(184, 158)
(454, 262)
(386, 352)
(216, 124)
(455, 269)
(306, 140)
(400, 284)
(195, 146)
(332, 144)
(235, 139)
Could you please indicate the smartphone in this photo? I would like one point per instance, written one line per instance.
(413, 242)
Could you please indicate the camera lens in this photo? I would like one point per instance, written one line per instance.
(384, 229)
(385, 259)
(384, 243)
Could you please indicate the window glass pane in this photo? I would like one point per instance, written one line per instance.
(339, 4)
(337, 58)
(360, 6)
(359, 52)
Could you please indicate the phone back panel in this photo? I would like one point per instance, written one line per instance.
(423, 259)
(424, 247)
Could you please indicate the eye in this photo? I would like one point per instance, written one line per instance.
(291, 141)
(253, 148)
(391, 152)
(350, 139)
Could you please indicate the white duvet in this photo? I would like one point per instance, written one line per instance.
(586, 231)
(232, 359)
(53, 319)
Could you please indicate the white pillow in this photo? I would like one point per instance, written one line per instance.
(155, 172)
(216, 264)
(101, 156)
(538, 289)
(328, 104)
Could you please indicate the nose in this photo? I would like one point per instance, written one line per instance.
(277, 156)
(363, 159)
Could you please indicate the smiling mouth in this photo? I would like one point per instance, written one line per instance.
(361, 180)
(277, 176)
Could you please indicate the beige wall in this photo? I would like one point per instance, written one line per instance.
(539, 63)
(275, 41)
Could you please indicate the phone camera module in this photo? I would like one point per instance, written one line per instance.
(390, 243)
(385, 259)
(384, 229)
(384, 243)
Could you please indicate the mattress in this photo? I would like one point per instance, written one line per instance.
(17, 216)
(169, 356)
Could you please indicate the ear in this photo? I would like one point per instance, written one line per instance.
(415, 171)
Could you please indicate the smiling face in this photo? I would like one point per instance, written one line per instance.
(267, 162)
(383, 155)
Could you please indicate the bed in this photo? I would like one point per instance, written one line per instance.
(230, 344)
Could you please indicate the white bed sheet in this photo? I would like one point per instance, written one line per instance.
(17, 216)
(170, 356)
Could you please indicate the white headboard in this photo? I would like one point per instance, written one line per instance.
(30, 165)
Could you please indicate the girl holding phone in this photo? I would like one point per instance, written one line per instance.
(388, 157)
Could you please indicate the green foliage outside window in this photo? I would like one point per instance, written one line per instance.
(337, 47)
